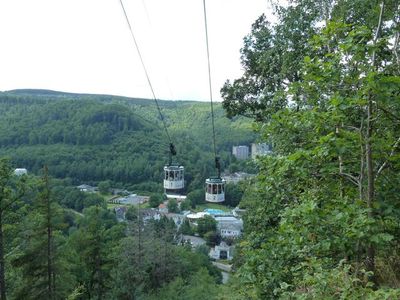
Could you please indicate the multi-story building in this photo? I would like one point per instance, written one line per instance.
(260, 149)
(241, 152)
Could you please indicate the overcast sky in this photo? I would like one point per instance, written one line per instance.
(84, 46)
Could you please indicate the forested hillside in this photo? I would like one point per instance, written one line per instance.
(94, 137)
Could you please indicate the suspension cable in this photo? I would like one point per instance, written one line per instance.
(146, 73)
(217, 163)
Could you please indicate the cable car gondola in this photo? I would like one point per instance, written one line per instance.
(215, 190)
(215, 186)
(174, 175)
(173, 179)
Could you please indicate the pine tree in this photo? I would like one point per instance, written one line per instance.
(40, 258)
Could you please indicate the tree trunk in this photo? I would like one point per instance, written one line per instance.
(370, 260)
(50, 284)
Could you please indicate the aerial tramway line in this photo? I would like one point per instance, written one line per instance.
(174, 181)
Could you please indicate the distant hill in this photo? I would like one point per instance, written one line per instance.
(90, 138)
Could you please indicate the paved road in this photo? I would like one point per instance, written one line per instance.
(225, 277)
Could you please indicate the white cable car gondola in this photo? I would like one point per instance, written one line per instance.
(174, 175)
(174, 180)
(215, 190)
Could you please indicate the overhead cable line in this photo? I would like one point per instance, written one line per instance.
(172, 147)
(217, 162)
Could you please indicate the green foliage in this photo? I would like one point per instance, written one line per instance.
(185, 205)
(212, 238)
(148, 265)
(196, 197)
(71, 197)
(98, 138)
(322, 211)
(233, 194)
(198, 286)
(186, 228)
(155, 200)
(104, 187)
(94, 241)
(41, 259)
(206, 224)
(172, 206)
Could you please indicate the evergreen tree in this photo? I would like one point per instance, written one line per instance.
(40, 258)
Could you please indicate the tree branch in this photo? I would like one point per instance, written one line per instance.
(350, 177)
(388, 112)
(383, 166)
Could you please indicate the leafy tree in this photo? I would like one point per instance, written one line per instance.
(104, 186)
(186, 228)
(206, 224)
(329, 105)
(131, 213)
(173, 206)
(155, 200)
(212, 238)
(196, 197)
(185, 205)
(233, 194)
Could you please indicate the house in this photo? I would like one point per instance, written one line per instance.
(20, 171)
(149, 213)
(229, 227)
(241, 151)
(230, 231)
(162, 208)
(120, 212)
(194, 217)
(222, 251)
(86, 188)
(131, 199)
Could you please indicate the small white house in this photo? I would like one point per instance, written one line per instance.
(86, 188)
(222, 251)
(20, 171)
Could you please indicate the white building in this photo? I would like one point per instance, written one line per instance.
(223, 251)
(260, 149)
(229, 227)
(240, 152)
(86, 188)
(236, 177)
(20, 171)
(230, 231)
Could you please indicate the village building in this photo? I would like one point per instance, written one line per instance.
(87, 188)
(222, 251)
(20, 171)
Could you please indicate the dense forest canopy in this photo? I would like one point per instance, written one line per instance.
(323, 217)
(90, 138)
